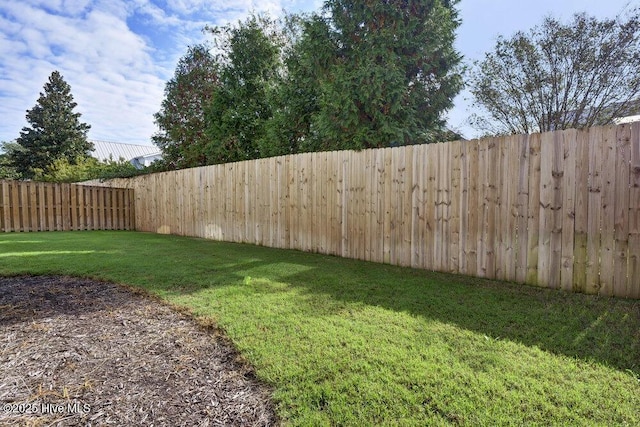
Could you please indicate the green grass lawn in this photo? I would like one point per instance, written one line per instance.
(346, 342)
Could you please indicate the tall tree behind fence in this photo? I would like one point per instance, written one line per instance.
(37, 206)
(559, 209)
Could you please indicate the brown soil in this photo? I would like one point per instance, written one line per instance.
(79, 352)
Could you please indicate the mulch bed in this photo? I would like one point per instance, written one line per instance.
(81, 352)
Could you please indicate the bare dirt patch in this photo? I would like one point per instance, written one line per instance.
(81, 352)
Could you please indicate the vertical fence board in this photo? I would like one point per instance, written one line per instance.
(501, 209)
(24, 207)
(33, 205)
(546, 209)
(608, 214)
(464, 206)
(621, 210)
(42, 218)
(473, 186)
(15, 207)
(633, 268)
(569, 146)
(6, 206)
(557, 173)
(493, 176)
(595, 192)
(581, 212)
(455, 156)
(405, 205)
(522, 150)
(533, 221)
(369, 185)
(417, 206)
(430, 207)
(482, 227)
(512, 209)
(438, 190)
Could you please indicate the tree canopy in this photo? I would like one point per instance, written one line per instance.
(237, 117)
(55, 131)
(181, 119)
(391, 74)
(354, 75)
(559, 75)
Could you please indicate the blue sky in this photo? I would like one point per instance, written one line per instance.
(118, 54)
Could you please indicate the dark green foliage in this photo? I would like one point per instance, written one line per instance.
(7, 169)
(237, 116)
(360, 74)
(560, 76)
(55, 131)
(367, 74)
(296, 100)
(392, 74)
(181, 119)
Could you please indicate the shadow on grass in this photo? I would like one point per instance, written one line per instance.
(603, 330)
(598, 329)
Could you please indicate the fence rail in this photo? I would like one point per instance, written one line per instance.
(560, 209)
(37, 206)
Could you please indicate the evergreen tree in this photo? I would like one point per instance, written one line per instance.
(55, 131)
(181, 119)
(392, 74)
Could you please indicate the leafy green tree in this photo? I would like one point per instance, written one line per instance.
(559, 76)
(86, 168)
(55, 131)
(181, 119)
(361, 74)
(296, 100)
(393, 73)
(249, 76)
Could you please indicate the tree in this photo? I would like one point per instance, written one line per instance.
(181, 119)
(7, 170)
(242, 106)
(296, 98)
(559, 76)
(55, 131)
(393, 72)
(87, 168)
(358, 75)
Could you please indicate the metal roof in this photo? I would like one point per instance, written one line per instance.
(104, 150)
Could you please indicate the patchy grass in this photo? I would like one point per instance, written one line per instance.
(346, 342)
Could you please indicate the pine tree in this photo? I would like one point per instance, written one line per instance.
(55, 131)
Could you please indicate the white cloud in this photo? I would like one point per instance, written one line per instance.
(115, 54)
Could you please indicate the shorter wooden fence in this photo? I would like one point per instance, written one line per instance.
(38, 206)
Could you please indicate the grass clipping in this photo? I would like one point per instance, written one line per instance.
(80, 352)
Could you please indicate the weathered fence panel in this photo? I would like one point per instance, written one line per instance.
(37, 206)
(559, 210)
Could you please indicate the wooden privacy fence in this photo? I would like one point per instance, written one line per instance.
(37, 206)
(555, 209)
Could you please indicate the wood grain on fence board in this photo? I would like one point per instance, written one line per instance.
(559, 209)
(27, 206)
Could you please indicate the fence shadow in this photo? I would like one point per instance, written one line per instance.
(575, 325)
(603, 330)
